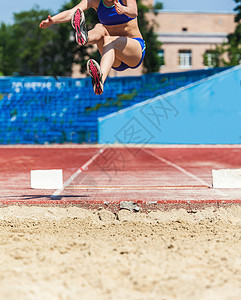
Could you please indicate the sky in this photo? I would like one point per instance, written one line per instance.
(7, 8)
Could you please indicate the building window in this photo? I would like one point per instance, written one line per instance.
(161, 55)
(185, 59)
(184, 29)
(211, 59)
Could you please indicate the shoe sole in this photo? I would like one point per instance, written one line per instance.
(95, 72)
(77, 19)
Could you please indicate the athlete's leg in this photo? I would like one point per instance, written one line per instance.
(100, 46)
(82, 35)
(97, 34)
(117, 49)
(114, 51)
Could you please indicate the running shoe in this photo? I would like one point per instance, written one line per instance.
(78, 23)
(93, 68)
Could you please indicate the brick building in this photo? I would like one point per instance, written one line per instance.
(185, 37)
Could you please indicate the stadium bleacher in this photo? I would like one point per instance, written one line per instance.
(39, 110)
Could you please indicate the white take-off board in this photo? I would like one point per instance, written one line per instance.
(227, 179)
(47, 179)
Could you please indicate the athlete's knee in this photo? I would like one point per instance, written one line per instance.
(107, 39)
(99, 26)
(114, 41)
(101, 29)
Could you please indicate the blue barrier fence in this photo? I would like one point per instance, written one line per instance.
(205, 112)
(37, 110)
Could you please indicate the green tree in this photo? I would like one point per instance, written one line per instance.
(233, 46)
(238, 9)
(152, 61)
(211, 58)
(8, 50)
(33, 43)
(158, 5)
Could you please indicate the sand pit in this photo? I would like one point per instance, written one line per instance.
(71, 253)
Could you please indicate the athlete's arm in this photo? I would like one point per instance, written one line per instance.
(65, 16)
(130, 9)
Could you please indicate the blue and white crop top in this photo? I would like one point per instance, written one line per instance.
(109, 16)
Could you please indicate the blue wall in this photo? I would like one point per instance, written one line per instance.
(206, 112)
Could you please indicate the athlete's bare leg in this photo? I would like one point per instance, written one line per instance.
(117, 49)
(97, 34)
(114, 49)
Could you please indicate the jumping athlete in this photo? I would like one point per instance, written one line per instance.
(117, 36)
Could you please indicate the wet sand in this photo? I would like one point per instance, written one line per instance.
(71, 253)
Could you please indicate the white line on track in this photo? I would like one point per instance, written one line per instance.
(136, 187)
(177, 167)
(79, 171)
(201, 181)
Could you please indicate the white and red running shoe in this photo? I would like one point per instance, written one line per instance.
(93, 68)
(78, 23)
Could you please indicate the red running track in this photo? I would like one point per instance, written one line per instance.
(161, 177)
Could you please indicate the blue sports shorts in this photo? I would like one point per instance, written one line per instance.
(124, 66)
